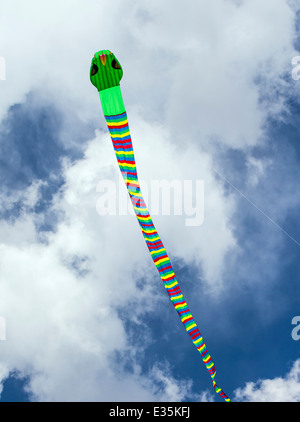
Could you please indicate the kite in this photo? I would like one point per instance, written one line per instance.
(106, 74)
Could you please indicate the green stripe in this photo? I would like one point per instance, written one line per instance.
(112, 101)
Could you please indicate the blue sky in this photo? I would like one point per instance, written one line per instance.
(210, 96)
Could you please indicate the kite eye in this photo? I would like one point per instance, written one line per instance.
(94, 70)
(115, 64)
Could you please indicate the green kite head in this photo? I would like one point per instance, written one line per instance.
(106, 71)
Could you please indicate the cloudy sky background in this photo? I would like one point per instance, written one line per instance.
(210, 96)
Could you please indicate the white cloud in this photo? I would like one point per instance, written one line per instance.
(194, 64)
(172, 390)
(256, 169)
(216, 51)
(279, 389)
(60, 292)
(4, 372)
(207, 244)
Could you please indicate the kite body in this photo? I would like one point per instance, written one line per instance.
(105, 74)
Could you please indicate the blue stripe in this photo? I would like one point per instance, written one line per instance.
(116, 117)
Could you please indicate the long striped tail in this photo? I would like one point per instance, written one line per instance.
(120, 135)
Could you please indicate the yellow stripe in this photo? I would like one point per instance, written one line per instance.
(149, 231)
(133, 182)
(190, 327)
(164, 277)
(176, 297)
(199, 340)
(116, 124)
(206, 359)
(140, 209)
(180, 306)
(124, 152)
(158, 250)
(169, 286)
(160, 260)
(154, 238)
(120, 135)
(136, 194)
(143, 218)
(186, 317)
(127, 165)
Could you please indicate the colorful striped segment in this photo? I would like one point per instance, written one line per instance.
(120, 135)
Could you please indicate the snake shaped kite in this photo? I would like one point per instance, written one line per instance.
(105, 74)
